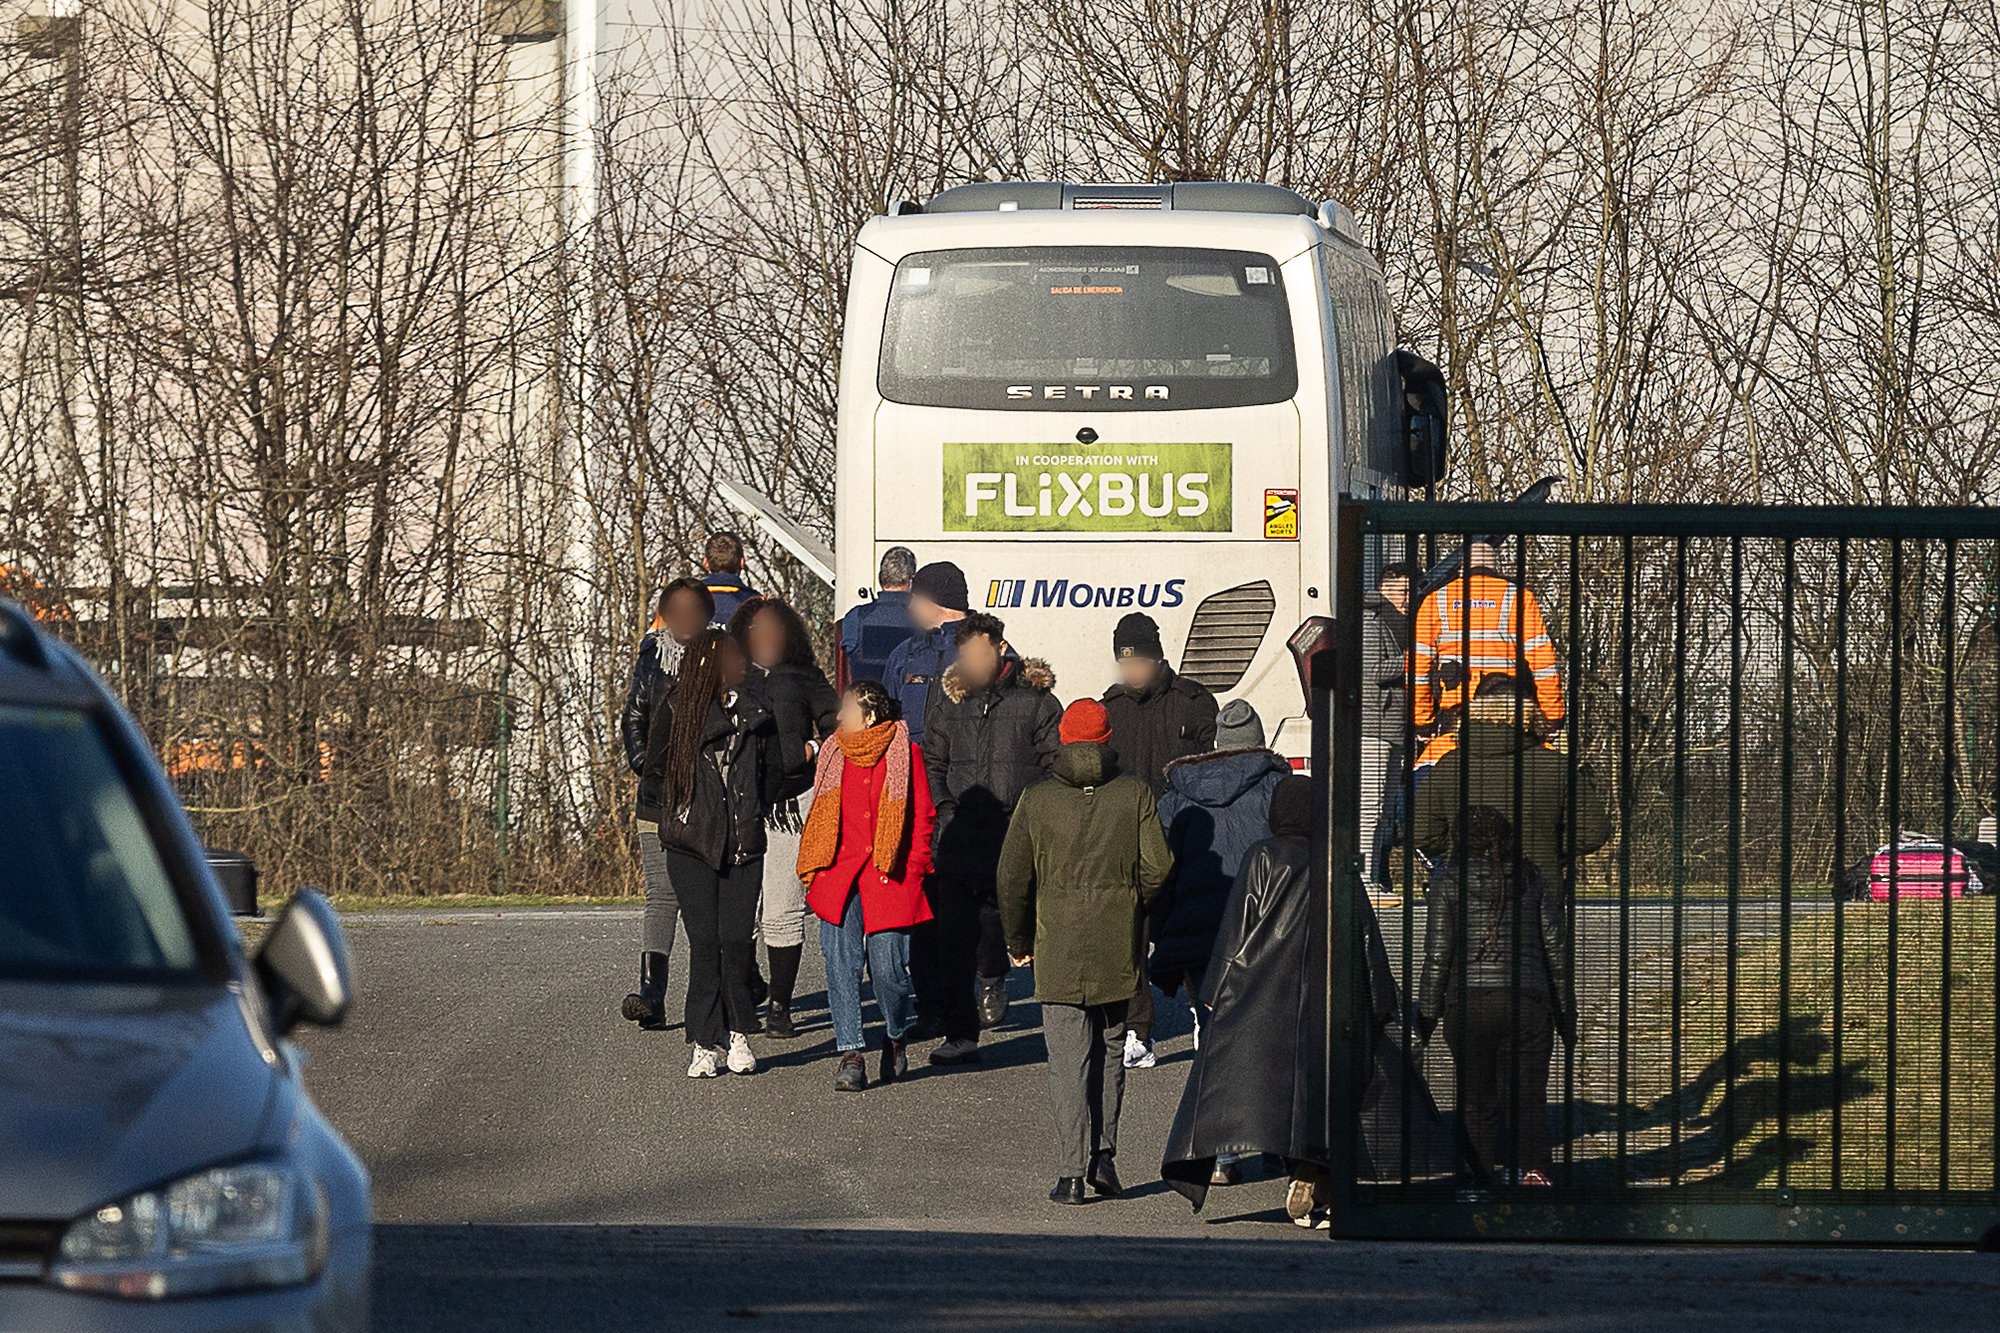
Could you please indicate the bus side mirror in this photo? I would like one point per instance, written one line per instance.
(1313, 638)
(1426, 416)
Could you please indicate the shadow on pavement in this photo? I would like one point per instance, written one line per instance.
(569, 1279)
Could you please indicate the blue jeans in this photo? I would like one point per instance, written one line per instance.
(887, 954)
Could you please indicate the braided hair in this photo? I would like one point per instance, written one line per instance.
(876, 701)
(698, 685)
(1486, 833)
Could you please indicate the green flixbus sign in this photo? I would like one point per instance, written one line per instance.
(1087, 488)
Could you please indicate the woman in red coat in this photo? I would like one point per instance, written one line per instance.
(863, 856)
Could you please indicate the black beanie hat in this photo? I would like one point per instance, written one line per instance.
(944, 583)
(1137, 636)
(1291, 807)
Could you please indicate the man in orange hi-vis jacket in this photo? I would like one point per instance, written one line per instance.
(1471, 628)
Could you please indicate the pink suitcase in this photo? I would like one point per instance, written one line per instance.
(1919, 872)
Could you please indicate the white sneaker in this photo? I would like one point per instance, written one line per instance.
(1138, 1054)
(740, 1059)
(703, 1064)
(1197, 1026)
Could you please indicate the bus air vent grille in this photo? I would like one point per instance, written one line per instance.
(1227, 629)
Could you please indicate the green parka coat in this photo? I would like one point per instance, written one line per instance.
(1083, 860)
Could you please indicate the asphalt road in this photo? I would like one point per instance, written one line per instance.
(541, 1164)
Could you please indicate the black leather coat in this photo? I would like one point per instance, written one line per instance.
(1259, 1080)
(652, 680)
(737, 779)
(1513, 933)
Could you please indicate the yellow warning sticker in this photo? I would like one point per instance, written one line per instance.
(1281, 516)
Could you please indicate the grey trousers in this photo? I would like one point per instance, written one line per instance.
(783, 913)
(662, 907)
(1086, 1079)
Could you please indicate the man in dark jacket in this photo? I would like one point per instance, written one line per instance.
(1083, 860)
(1258, 1084)
(1386, 722)
(992, 733)
(916, 666)
(722, 559)
(1504, 728)
(1156, 716)
(874, 629)
(1217, 807)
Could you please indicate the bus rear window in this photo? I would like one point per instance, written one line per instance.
(1087, 329)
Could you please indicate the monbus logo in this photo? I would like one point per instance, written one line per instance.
(1062, 593)
(1075, 488)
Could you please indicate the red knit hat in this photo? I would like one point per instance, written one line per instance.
(1086, 720)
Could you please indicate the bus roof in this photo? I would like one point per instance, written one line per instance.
(1282, 236)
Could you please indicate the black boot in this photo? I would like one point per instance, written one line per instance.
(784, 977)
(1104, 1176)
(895, 1060)
(1069, 1189)
(647, 1006)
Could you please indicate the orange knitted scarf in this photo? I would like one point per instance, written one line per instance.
(819, 844)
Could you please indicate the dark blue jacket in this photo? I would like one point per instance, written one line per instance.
(872, 631)
(730, 591)
(1217, 807)
(914, 670)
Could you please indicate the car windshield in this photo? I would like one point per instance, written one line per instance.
(84, 895)
(1088, 328)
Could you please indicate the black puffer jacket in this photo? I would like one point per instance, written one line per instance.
(981, 751)
(1150, 728)
(737, 778)
(652, 681)
(1487, 948)
(802, 703)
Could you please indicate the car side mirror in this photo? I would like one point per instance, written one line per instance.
(303, 964)
(1426, 421)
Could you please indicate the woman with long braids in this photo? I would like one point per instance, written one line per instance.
(863, 856)
(786, 680)
(681, 611)
(713, 753)
(1497, 973)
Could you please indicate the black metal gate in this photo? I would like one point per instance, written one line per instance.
(1761, 748)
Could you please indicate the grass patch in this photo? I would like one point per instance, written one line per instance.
(1926, 1095)
(453, 902)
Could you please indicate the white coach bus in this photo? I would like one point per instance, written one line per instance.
(1104, 399)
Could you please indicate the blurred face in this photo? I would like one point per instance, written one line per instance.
(924, 613)
(1396, 592)
(733, 663)
(766, 638)
(853, 714)
(979, 661)
(687, 616)
(1138, 672)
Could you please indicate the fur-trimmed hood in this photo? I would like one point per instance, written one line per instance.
(1032, 673)
(1221, 777)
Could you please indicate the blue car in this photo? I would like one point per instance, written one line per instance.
(161, 1166)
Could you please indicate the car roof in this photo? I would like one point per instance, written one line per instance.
(37, 669)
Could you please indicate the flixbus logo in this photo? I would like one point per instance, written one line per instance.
(1011, 593)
